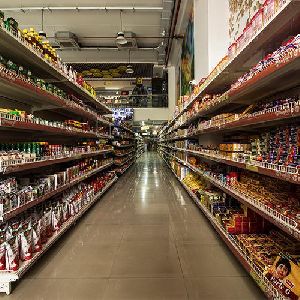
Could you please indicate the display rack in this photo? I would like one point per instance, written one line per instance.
(21, 165)
(260, 279)
(36, 201)
(7, 278)
(285, 223)
(17, 48)
(234, 110)
(275, 30)
(125, 148)
(65, 116)
(290, 174)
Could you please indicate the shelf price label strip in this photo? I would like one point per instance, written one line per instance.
(285, 223)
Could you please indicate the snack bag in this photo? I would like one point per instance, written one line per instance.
(56, 218)
(65, 212)
(36, 237)
(2, 253)
(26, 245)
(43, 233)
(12, 254)
(72, 209)
(48, 223)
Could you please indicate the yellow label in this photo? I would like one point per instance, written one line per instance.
(251, 168)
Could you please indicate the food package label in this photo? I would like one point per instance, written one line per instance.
(284, 275)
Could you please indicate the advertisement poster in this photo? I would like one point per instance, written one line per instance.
(122, 115)
(284, 275)
(187, 57)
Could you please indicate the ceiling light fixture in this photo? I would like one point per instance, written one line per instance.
(129, 69)
(121, 36)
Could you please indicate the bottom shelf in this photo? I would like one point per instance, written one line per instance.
(7, 277)
(257, 275)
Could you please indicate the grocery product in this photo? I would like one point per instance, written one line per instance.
(26, 234)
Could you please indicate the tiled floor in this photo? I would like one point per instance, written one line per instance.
(145, 239)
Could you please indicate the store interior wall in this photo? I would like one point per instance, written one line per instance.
(211, 34)
(154, 114)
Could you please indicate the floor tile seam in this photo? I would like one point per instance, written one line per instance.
(156, 276)
(182, 273)
(67, 278)
(146, 277)
(191, 276)
(117, 252)
(194, 242)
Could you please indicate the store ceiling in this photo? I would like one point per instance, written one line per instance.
(96, 24)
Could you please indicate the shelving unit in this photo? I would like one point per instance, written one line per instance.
(19, 50)
(273, 33)
(7, 278)
(20, 166)
(35, 125)
(125, 150)
(234, 113)
(269, 291)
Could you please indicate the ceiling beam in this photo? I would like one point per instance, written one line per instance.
(84, 8)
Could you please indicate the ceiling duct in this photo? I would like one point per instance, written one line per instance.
(67, 40)
(131, 41)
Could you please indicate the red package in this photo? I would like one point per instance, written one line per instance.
(65, 212)
(48, 223)
(72, 209)
(36, 237)
(2, 254)
(26, 245)
(56, 218)
(245, 227)
(12, 254)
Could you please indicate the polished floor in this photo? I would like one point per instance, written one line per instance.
(145, 239)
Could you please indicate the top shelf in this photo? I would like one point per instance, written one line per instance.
(284, 23)
(16, 48)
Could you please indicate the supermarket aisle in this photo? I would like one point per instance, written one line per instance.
(145, 239)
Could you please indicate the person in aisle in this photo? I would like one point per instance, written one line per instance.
(140, 94)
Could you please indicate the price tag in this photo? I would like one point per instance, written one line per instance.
(252, 168)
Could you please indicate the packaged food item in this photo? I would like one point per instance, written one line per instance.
(2, 253)
(36, 236)
(26, 245)
(12, 253)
